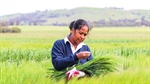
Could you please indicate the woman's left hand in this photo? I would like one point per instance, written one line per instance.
(74, 73)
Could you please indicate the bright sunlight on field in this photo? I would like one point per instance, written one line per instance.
(25, 57)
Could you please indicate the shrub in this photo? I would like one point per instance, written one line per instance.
(16, 30)
(10, 30)
(5, 30)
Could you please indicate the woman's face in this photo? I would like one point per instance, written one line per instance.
(79, 36)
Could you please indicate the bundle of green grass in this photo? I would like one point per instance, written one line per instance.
(100, 65)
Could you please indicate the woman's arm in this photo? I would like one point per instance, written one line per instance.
(60, 61)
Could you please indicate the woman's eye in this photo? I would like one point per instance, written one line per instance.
(82, 34)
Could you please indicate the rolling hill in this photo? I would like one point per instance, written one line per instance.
(96, 16)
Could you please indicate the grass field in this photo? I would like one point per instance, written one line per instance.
(25, 57)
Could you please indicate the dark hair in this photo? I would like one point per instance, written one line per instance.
(78, 24)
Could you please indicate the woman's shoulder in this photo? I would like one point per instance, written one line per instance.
(59, 41)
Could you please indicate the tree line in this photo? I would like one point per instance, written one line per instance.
(99, 23)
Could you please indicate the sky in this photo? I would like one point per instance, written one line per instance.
(27, 6)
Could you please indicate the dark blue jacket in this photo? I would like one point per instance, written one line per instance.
(62, 56)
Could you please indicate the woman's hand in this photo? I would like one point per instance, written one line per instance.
(74, 73)
(83, 55)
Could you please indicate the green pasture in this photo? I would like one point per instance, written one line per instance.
(25, 57)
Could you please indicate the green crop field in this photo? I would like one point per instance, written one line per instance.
(25, 57)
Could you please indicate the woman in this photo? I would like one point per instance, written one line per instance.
(71, 50)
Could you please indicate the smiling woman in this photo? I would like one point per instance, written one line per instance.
(71, 50)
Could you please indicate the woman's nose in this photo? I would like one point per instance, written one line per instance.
(82, 36)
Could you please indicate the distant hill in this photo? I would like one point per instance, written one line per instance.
(95, 16)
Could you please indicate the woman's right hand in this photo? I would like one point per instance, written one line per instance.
(83, 55)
